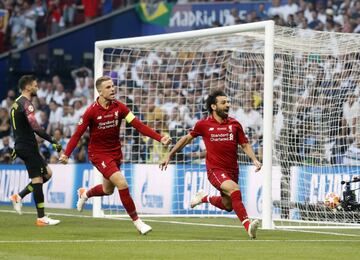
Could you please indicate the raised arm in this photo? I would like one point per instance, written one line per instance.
(177, 147)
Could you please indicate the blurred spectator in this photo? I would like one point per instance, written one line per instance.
(289, 9)
(42, 90)
(59, 94)
(80, 153)
(156, 151)
(6, 151)
(56, 113)
(40, 11)
(330, 4)
(68, 10)
(357, 28)
(43, 106)
(352, 155)
(232, 17)
(17, 28)
(50, 92)
(30, 21)
(345, 5)
(58, 136)
(90, 9)
(315, 23)
(351, 110)
(83, 78)
(79, 109)
(275, 9)
(261, 13)
(68, 122)
(4, 122)
(347, 24)
(56, 22)
(9, 100)
(107, 6)
(43, 119)
(307, 11)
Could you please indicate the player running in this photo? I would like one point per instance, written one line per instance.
(104, 118)
(221, 135)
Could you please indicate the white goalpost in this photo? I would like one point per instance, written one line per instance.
(288, 88)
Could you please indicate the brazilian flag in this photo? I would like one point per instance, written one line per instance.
(158, 14)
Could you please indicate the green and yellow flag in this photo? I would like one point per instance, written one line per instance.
(158, 14)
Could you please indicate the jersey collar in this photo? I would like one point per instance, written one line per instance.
(212, 119)
(101, 107)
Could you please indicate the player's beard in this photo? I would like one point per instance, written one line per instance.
(222, 113)
(33, 93)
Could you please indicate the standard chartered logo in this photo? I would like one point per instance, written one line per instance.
(221, 137)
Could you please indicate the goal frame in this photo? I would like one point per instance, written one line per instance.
(268, 27)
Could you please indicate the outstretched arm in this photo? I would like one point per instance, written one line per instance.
(38, 129)
(178, 146)
(145, 130)
(82, 126)
(249, 152)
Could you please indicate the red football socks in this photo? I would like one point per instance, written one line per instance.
(217, 202)
(128, 203)
(239, 208)
(96, 191)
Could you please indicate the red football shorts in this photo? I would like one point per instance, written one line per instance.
(107, 164)
(218, 176)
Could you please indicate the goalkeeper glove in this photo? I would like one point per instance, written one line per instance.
(13, 155)
(57, 147)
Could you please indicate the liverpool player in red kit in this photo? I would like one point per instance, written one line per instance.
(221, 135)
(103, 118)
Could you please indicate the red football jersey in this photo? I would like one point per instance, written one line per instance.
(221, 141)
(104, 125)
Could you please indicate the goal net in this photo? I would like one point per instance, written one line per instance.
(302, 124)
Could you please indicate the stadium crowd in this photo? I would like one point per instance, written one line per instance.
(167, 91)
(27, 21)
(31, 20)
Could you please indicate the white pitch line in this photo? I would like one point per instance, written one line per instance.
(174, 241)
(322, 232)
(126, 218)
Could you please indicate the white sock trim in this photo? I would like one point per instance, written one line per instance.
(245, 220)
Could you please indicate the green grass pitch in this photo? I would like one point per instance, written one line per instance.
(80, 236)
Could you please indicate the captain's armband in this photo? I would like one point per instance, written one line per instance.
(129, 117)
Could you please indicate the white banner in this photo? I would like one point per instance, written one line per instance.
(58, 191)
(254, 190)
(152, 189)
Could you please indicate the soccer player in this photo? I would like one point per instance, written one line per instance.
(24, 126)
(103, 118)
(221, 135)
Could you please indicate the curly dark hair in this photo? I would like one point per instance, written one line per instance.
(212, 98)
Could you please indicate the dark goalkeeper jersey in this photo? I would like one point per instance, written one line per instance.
(221, 141)
(24, 124)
